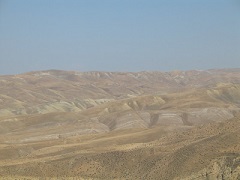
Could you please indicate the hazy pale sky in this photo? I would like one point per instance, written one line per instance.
(118, 35)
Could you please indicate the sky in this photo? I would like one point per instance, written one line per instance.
(119, 35)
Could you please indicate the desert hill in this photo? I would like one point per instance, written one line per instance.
(187, 108)
(120, 125)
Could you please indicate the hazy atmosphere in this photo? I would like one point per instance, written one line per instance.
(119, 35)
(120, 89)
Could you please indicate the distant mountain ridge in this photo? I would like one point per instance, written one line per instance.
(58, 90)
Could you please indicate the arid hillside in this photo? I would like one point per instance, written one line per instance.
(113, 125)
(210, 151)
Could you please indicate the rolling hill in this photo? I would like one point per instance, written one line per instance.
(115, 125)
